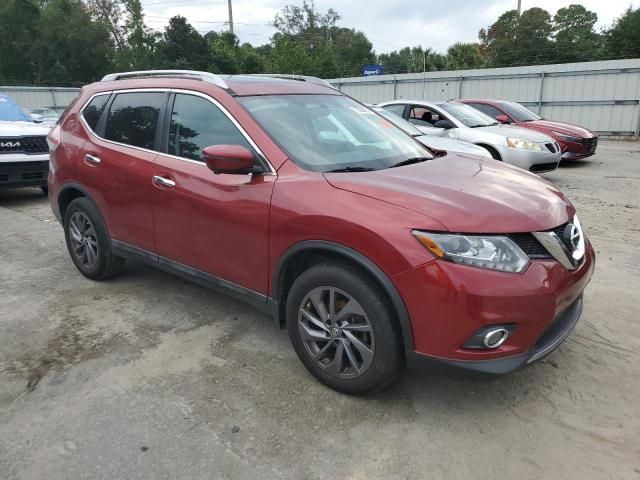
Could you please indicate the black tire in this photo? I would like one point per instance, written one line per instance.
(385, 338)
(45, 190)
(106, 264)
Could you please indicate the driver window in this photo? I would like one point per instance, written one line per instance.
(423, 116)
(197, 123)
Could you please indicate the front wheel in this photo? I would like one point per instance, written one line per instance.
(343, 329)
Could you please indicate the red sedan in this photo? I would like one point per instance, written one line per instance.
(576, 142)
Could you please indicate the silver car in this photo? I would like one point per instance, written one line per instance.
(438, 144)
(524, 148)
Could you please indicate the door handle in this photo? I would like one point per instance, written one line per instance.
(92, 159)
(163, 182)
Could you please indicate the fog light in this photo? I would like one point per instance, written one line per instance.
(495, 337)
(490, 337)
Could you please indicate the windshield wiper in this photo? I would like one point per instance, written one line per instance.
(351, 169)
(410, 161)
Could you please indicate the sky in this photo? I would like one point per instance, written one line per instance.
(389, 25)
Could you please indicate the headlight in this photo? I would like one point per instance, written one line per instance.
(523, 144)
(493, 252)
(566, 138)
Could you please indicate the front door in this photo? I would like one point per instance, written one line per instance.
(115, 162)
(216, 224)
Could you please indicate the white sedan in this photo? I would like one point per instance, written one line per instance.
(437, 144)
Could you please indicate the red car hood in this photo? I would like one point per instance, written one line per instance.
(563, 128)
(465, 194)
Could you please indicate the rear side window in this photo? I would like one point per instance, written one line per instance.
(488, 109)
(197, 123)
(133, 118)
(398, 109)
(92, 112)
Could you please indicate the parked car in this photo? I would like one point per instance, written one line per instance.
(24, 155)
(521, 147)
(299, 200)
(575, 142)
(440, 145)
(44, 115)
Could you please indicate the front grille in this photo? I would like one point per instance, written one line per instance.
(543, 167)
(28, 145)
(23, 173)
(530, 245)
(551, 147)
(590, 144)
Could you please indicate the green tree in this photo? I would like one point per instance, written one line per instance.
(462, 56)
(519, 40)
(19, 26)
(498, 41)
(623, 39)
(182, 47)
(412, 60)
(575, 37)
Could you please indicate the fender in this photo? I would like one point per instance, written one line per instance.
(368, 265)
(69, 186)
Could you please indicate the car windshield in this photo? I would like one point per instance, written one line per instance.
(332, 132)
(11, 112)
(519, 112)
(399, 122)
(469, 116)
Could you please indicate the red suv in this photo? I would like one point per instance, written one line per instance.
(575, 142)
(284, 192)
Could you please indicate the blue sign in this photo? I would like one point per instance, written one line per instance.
(368, 70)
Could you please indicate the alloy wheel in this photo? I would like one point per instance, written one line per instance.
(84, 241)
(336, 332)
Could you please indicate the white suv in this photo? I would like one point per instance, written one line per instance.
(24, 154)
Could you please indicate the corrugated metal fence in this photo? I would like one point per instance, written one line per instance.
(603, 96)
(32, 97)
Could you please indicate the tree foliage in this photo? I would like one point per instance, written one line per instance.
(78, 41)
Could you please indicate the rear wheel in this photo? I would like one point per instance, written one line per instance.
(343, 329)
(88, 242)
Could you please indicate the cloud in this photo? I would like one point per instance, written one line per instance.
(388, 24)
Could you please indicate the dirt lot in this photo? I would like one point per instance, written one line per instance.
(148, 376)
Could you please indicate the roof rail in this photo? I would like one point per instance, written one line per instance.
(300, 78)
(204, 76)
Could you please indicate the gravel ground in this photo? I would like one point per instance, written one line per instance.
(148, 376)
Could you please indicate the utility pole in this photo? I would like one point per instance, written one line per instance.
(230, 17)
(519, 6)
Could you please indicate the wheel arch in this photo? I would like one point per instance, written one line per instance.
(67, 194)
(492, 150)
(302, 255)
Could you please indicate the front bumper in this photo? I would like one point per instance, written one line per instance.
(578, 151)
(24, 173)
(448, 303)
(537, 162)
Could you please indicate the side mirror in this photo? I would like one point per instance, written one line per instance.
(503, 119)
(37, 118)
(446, 124)
(233, 159)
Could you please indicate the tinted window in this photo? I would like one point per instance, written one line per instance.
(469, 116)
(197, 123)
(488, 109)
(133, 118)
(519, 112)
(92, 112)
(397, 109)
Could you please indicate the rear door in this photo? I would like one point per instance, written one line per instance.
(216, 224)
(115, 164)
